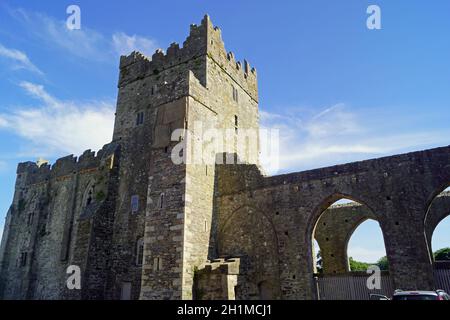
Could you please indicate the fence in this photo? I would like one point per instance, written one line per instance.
(353, 286)
(442, 279)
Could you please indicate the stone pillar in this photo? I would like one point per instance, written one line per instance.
(407, 253)
(334, 257)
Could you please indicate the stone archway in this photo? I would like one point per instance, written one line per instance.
(334, 230)
(438, 210)
(258, 252)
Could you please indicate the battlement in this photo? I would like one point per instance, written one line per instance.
(66, 165)
(203, 40)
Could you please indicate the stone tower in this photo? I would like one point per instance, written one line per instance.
(199, 86)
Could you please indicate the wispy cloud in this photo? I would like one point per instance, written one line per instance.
(85, 43)
(124, 44)
(339, 135)
(58, 127)
(19, 59)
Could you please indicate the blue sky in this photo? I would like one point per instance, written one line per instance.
(338, 91)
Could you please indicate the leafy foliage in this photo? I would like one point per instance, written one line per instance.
(442, 255)
(383, 264)
(319, 263)
(357, 265)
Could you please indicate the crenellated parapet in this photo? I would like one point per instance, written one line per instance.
(203, 40)
(33, 173)
(137, 66)
(242, 73)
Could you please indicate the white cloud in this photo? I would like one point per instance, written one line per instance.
(125, 44)
(60, 127)
(19, 58)
(38, 91)
(339, 135)
(331, 121)
(84, 43)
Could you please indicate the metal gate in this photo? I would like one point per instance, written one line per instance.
(350, 286)
(442, 279)
(353, 286)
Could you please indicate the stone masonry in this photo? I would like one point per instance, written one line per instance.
(140, 226)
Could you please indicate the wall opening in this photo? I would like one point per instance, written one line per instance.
(125, 293)
(437, 228)
(350, 239)
(317, 258)
(366, 247)
(140, 252)
(441, 241)
(265, 291)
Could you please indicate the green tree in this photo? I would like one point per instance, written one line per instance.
(383, 264)
(442, 255)
(357, 265)
(319, 263)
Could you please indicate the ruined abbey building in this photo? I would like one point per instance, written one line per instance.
(141, 227)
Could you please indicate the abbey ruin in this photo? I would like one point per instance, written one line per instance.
(141, 227)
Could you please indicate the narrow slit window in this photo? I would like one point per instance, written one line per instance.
(30, 218)
(140, 252)
(161, 201)
(23, 259)
(134, 204)
(157, 264)
(140, 118)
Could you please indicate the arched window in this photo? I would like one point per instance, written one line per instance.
(89, 195)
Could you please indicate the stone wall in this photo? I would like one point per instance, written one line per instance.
(43, 227)
(398, 191)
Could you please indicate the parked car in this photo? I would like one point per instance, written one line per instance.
(414, 295)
